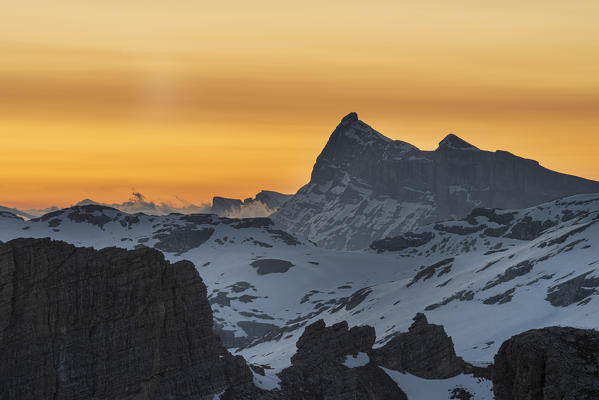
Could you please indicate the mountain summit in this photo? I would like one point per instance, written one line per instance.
(451, 141)
(365, 186)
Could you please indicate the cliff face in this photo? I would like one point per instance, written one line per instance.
(76, 323)
(548, 364)
(365, 186)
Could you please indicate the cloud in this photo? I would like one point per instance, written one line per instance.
(253, 209)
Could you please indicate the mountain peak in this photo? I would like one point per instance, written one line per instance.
(353, 130)
(351, 117)
(453, 142)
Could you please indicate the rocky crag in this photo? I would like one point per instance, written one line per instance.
(335, 363)
(425, 351)
(77, 323)
(548, 364)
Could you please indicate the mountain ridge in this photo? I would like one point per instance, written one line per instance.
(365, 186)
(262, 204)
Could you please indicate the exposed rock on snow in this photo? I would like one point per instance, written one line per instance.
(182, 240)
(424, 351)
(573, 290)
(271, 266)
(320, 370)
(402, 242)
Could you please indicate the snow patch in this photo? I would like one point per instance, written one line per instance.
(357, 360)
(427, 389)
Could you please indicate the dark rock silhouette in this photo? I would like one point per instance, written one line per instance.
(548, 364)
(402, 242)
(573, 290)
(182, 239)
(318, 371)
(425, 351)
(365, 186)
(266, 266)
(77, 323)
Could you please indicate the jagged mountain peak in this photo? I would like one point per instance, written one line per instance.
(353, 140)
(454, 142)
(353, 130)
(390, 187)
(351, 143)
(351, 117)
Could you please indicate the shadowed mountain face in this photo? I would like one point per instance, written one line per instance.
(77, 323)
(365, 186)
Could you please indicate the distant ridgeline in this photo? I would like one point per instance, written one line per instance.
(365, 186)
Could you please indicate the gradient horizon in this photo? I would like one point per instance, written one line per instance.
(194, 100)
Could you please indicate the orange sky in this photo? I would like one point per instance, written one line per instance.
(195, 99)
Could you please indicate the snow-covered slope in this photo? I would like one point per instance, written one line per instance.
(485, 278)
(365, 186)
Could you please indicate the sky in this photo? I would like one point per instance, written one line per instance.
(190, 99)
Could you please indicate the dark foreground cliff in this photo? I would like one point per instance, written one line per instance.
(555, 363)
(77, 323)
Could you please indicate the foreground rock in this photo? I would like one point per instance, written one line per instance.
(76, 323)
(425, 351)
(335, 363)
(548, 364)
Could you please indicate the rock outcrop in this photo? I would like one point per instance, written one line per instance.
(402, 242)
(425, 351)
(548, 364)
(265, 203)
(365, 186)
(225, 206)
(78, 323)
(335, 363)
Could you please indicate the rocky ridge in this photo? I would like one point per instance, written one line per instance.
(365, 186)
